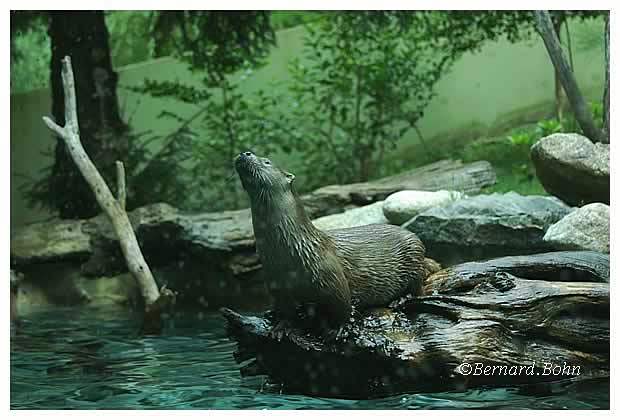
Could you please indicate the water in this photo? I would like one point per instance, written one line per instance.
(89, 358)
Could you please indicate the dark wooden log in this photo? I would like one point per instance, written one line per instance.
(523, 330)
(552, 266)
(221, 240)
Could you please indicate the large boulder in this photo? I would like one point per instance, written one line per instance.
(400, 207)
(573, 168)
(486, 226)
(360, 216)
(586, 228)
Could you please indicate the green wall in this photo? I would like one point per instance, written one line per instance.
(504, 82)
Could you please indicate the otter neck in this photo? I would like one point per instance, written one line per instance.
(284, 230)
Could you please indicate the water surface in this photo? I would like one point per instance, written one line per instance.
(93, 358)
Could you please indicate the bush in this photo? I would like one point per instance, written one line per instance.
(365, 83)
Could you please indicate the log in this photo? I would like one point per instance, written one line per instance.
(494, 314)
(442, 175)
(222, 240)
(155, 300)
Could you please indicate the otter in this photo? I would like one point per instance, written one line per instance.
(331, 271)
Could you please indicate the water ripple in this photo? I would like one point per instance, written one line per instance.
(96, 360)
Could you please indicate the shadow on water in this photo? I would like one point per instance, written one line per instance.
(93, 358)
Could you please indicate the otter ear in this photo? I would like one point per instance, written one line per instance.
(290, 177)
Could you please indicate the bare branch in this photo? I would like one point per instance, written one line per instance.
(54, 127)
(114, 209)
(68, 82)
(121, 190)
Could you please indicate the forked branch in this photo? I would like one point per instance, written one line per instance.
(154, 299)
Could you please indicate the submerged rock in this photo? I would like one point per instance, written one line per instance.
(573, 168)
(400, 207)
(486, 226)
(360, 216)
(586, 228)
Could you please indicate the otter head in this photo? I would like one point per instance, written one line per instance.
(260, 177)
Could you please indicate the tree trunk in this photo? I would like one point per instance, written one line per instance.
(560, 96)
(578, 104)
(83, 36)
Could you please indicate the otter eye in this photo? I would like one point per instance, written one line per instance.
(267, 162)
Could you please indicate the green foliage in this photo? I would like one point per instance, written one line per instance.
(469, 30)
(131, 39)
(366, 81)
(546, 128)
(510, 155)
(598, 113)
(214, 45)
(569, 124)
(30, 52)
(198, 157)
(215, 42)
(591, 36)
(288, 19)
(520, 139)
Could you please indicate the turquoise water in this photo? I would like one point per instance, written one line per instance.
(88, 358)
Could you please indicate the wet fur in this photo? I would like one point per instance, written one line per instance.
(367, 265)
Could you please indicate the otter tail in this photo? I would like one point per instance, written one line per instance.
(431, 266)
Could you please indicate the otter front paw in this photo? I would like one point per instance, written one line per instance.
(339, 334)
(282, 329)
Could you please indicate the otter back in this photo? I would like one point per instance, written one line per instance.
(381, 262)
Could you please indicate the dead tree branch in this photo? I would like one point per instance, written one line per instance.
(115, 210)
(121, 189)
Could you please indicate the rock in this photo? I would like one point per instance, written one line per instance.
(586, 228)
(366, 215)
(523, 311)
(44, 241)
(400, 207)
(486, 226)
(573, 168)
